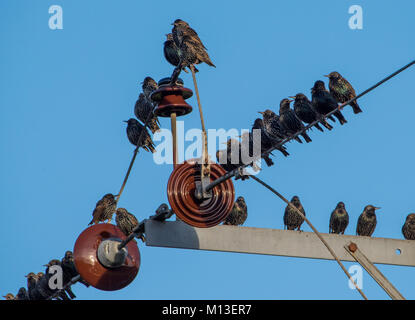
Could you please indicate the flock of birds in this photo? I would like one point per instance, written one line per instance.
(184, 49)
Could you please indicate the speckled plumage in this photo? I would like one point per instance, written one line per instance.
(367, 221)
(238, 214)
(134, 129)
(104, 209)
(33, 291)
(266, 142)
(408, 229)
(69, 269)
(143, 109)
(149, 85)
(191, 49)
(292, 220)
(323, 102)
(342, 90)
(225, 159)
(290, 122)
(304, 110)
(22, 294)
(272, 126)
(339, 219)
(9, 296)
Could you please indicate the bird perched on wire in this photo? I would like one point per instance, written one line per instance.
(104, 209)
(143, 110)
(303, 109)
(290, 122)
(238, 214)
(231, 158)
(408, 229)
(9, 296)
(256, 148)
(273, 127)
(191, 49)
(69, 269)
(134, 129)
(43, 282)
(342, 90)
(22, 294)
(292, 220)
(33, 291)
(126, 222)
(266, 142)
(366, 223)
(323, 102)
(339, 219)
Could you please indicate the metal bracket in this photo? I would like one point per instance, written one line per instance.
(373, 271)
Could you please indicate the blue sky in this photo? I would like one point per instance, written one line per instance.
(64, 94)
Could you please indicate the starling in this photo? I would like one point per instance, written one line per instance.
(238, 214)
(69, 269)
(22, 294)
(292, 220)
(323, 102)
(191, 49)
(248, 138)
(408, 229)
(9, 296)
(342, 90)
(305, 112)
(43, 282)
(134, 129)
(266, 142)
(143, 109)
(33, 291)
(126, 222)
(290, 122)
(339, 219)
(65, 277)
(273, 127)
(149, 86)
(104, 209)
(171, 52)
(366, 223)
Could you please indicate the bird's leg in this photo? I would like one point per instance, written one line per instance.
(109, 220)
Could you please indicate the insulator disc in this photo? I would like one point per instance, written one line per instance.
(171, 99)
(89, 267)
(199, 213)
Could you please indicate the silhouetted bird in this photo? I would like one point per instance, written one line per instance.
(339, 219)
(408, 229)
(272, 126)
(143, 109)
(126, 222)
(292, 220)
(290, 122)
(256, 148)
(22, 294)
(33, 291)
(43, 282)
(238, 214)
(104, 209)
(134, 129)
(266, 142)
(323, 102)
(171, 52)
(306, 113)
(9, 296)
(69, 269)
(366, 223)
(191, 49)
(342, 90)
(149, 85)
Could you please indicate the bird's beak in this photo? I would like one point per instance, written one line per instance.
(292, 97)
(326, 75)
(377, 208)
(125, 121)
(261, 112)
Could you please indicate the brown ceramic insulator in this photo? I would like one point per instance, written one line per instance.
(171, 99)
(89, 267)
(199, 213)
